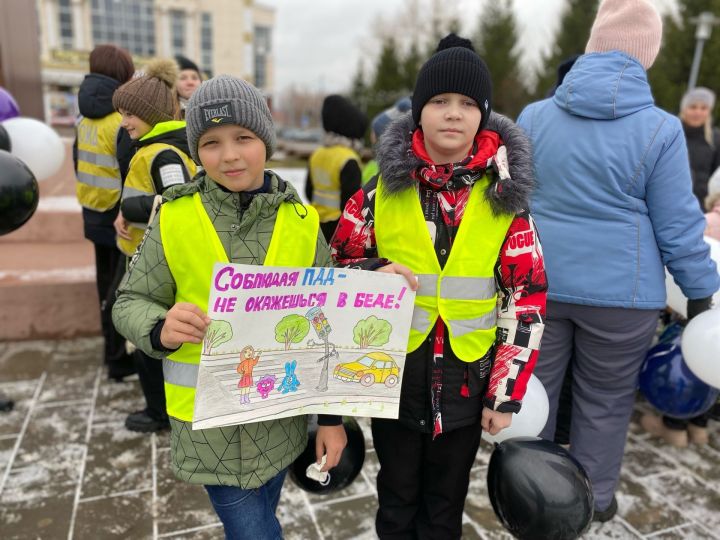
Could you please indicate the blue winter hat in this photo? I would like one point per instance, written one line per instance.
(383, 119)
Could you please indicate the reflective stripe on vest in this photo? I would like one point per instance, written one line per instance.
(139, 183)
(98, 172)
(326, 163)
(192, 247)
(464, 292)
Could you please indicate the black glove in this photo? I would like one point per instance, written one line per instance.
(696, 307)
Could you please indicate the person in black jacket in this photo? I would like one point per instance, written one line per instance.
(102, 153)
(703, 140)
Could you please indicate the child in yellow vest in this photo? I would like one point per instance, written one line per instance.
(450, 208)
(102, 153)
(149, 110)
(334, 169)
(229, 213)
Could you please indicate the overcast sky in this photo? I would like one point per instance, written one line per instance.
(318, 43)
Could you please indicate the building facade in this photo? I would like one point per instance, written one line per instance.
(221, 36)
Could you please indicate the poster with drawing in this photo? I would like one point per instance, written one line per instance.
(289, 341)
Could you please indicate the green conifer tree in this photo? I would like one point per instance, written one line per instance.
(570, 39)
(671, 71)
(496, 41)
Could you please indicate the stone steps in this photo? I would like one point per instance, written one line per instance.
(47, 268)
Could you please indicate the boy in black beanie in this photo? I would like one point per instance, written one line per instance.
(449, 212)
(334, 169)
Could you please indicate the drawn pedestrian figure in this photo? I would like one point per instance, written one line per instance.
(248, 360)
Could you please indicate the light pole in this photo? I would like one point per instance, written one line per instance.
(705, 23)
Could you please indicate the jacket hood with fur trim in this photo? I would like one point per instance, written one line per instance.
(507, 196)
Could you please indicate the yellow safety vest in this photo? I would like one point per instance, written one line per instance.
(139, 182)
(99, 183)
(464, 292)
(192, 247)
(326, 163)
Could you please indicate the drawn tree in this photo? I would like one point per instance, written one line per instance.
(291, 329)
(217, 333)
(372, 332)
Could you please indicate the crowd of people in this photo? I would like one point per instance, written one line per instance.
(172, 176)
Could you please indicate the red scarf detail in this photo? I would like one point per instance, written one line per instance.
(484, 147)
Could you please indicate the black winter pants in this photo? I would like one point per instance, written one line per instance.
(151, 381)
(422, 484)
(109, 270)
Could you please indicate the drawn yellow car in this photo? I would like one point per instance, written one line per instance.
(369, 369)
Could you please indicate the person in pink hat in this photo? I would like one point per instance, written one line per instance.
(614, 207)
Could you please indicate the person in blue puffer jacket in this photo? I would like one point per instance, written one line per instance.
(614, 207)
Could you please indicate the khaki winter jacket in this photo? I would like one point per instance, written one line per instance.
(246, 455)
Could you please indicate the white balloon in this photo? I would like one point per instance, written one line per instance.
(701, 346)
(532, 417)
(676, 300)
(36, 144)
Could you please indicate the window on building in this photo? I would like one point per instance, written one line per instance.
(206, 43)
(177, 31)
(261, 46)
(66, 24)
(129, 24)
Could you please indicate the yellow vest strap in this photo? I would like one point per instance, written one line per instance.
(103, 160)
(427, 284)
(467, 288)
(98, 181)
(421, 320)
(180, 373)
(326, 198)
(461, 327)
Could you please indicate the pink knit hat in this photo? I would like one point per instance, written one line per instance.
(631, 26)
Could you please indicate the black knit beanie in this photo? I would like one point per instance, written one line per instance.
(184, 63)
(340, 116)
(456, 68)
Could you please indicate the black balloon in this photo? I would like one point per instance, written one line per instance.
(346, 471)
(4, 139)
(19, 193)
(538, 490)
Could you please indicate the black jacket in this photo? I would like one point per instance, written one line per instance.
(138, 209)
(95, 101)
(704, 159)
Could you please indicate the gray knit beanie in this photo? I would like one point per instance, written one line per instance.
(228, 100)
(699, 94)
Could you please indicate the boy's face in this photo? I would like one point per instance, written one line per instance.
(233, 156)
(135, 127)
(187, 82)
(449, 122)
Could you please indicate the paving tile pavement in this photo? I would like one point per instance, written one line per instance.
(69, 469)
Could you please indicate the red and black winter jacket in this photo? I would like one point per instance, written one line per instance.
(498, 380)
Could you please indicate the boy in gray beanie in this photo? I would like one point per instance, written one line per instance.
(231, 213)
(228, 100)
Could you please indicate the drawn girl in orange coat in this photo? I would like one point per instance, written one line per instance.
(248, 360)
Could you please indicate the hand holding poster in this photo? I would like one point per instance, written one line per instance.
(289, 341)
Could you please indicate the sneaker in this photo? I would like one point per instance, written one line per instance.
(607, 514)
(654, 425)
(698, 434)
(142, 421)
